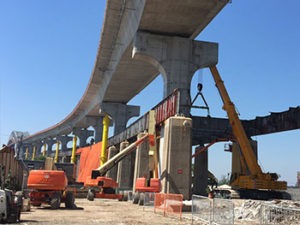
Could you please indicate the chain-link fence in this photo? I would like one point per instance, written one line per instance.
(279, 215)
(212, 211)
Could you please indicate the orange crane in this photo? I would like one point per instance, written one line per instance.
(256, 179)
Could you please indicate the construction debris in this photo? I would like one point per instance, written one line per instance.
(268, 212)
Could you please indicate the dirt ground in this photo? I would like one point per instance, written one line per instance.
(100, 211)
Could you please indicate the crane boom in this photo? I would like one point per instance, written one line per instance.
(101, 171)
(257, 179)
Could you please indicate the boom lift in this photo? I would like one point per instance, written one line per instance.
(256, 180)
(105, 187)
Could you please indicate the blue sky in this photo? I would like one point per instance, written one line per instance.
(48, 49)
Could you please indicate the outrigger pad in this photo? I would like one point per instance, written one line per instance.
(95, 174)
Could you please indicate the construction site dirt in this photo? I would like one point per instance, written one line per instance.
(114, 212)
(99, 211)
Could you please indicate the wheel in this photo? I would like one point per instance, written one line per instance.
(36, 204)
(125, 196)
(55, 200)
(121, 193)
(142, 198)
(136, 198)
(69, 202)
(90, 195)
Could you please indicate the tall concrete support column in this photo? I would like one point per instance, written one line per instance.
(83, 135)
(112, 173)
(64, 139)
(120, 114)
(50, 142)
(141, 168)
(124, 169)
(177, 59)
(28, 147)
(177, 156)
(200, 172)
(96, 123)
(38, 148)
(236, 165)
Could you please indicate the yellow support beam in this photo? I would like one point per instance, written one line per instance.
(56, 152)
(73, 157)
(106, 121)
(33, 153)
(44, 151)
(26, 153)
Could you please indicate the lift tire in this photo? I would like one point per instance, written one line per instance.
(90, 195)
(121, 193)
(125, 196)
(136, 198)
(69, 202)
(36, 204)
(55, 200)
(142, 198)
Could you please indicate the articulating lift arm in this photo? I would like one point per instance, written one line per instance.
(257, 179)
(101, 171)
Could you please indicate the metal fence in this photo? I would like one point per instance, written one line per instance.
(149, 199)
(169, 204)
(212, 211)
(279, 215)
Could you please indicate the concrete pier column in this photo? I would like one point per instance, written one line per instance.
(96, 123)
(124, 169)
(113, 172)
(50, 142)
(38, 148)
(200, 172)
(83, 135)
(141, 168)
(177, 59)
(64, 139)
(177, 156)
(29, 147)
(236, 166)
(120, 114)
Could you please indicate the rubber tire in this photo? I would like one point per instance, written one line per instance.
(69, 202)
(55, 200)
(125, 196)
(121, 193)
(136, 198)
(36, 205)
(142, 198)
(90, 195)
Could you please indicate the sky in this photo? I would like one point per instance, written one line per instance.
(48, 49)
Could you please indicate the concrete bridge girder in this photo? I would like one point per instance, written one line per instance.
(120, 114)
(177, 59)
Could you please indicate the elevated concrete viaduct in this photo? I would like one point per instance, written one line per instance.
(141, 39)
(117, 77)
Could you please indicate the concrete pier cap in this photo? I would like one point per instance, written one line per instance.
(177, 59)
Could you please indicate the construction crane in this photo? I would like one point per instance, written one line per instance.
(255, 183)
